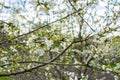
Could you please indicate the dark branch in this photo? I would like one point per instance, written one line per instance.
(63, 64)
(50, 61)
(81, 16)
(6, 42)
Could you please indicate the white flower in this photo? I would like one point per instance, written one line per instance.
(116, 77)
(49, 43)
(108, 70)
(72, 74)
(95, 56)
(3, 59)
(63, 45)
(30, 42)
(34, 36)
(103, 66)
(55, 50)
(41, 52)
(13, 49)
(9, 33)
(16, 33)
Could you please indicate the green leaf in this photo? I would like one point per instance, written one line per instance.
(113, 65)
(101, 35)
(6, 78)
(11, 36)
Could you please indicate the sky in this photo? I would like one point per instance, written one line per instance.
(19, 4)
(29, 13)
(27, 9)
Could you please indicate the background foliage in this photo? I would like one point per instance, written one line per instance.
(59, 39)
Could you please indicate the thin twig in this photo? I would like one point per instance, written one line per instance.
(6, 42)
(50, 61)
(81, 16)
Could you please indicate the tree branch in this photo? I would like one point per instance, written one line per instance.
(50, 61)
(6, 42)
(81, 16)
